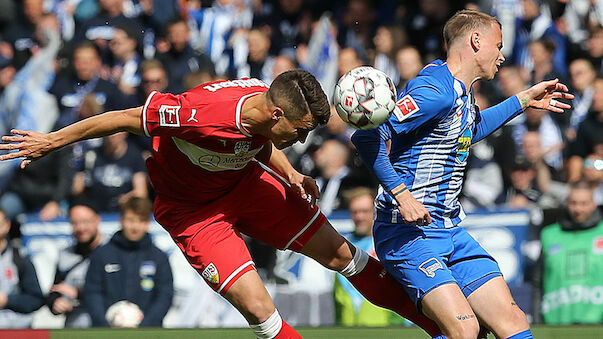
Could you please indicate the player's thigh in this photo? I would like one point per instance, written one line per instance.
(250, 297)
(208, 240)
(494, 305)
(273, 213)
(447, 306)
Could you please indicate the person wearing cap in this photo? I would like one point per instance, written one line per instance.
(73, 262)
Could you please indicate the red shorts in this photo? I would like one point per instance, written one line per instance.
(261, 206)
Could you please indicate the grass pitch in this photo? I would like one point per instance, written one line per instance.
(540, 332)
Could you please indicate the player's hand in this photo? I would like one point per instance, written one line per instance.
(28, 144)
(545, 95)
(305, 186)
(62, 305)
(412, 211)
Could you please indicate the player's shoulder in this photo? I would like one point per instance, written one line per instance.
(221, 86)
(435, 76)
(434, 86)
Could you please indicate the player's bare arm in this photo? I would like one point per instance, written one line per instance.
(545, 95)
(303, 184)
(33, 145)
(413, 212)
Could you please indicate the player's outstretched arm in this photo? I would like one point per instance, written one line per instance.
(33, 145)
(544, 95)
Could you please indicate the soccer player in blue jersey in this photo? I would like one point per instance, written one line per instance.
(452, 279)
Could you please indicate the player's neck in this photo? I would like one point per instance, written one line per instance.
(458, 65)
(255, 116)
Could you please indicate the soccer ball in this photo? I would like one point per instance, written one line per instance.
(364, 97)
(124, 314)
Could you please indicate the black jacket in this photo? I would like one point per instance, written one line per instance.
(125, 270)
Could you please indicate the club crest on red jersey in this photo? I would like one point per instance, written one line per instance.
(169, 116)
(242, 147)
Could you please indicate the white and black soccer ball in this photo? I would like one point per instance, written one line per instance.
(124, 314)
(364, 97)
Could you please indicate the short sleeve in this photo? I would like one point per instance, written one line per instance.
(418, 106)
(165, 114)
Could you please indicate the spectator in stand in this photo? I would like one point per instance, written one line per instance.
(583, 75)
(259, 63)
(348, 60)
(426, 26)
(551, 137)
(20, 293)
(112, 174)
(290, 24)
(351, 308)
(125, 71)
(356, 26)
(215, 26)
(524, 192)
(595, 48)
(408, 64)
(571, 262)
(181, 59)
(589, 134)
(65, 295)
(388, 40)
(541, 52)
(70, 89)
(101, 27)
(21, 36)
(333, 175)
(283, 63)
(129, 267)
(593, 174)
(536, 23)
(40, 189)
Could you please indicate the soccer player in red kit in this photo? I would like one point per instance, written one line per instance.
(218, 171)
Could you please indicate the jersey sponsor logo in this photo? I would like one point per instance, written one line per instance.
(112, 268)
(216, 161)
(210, 273)
(168, 116)
(192, 118)
(242, 147)
(462, 150)
(244, 83)
(598, 245)
(430, 266)
(405, 107)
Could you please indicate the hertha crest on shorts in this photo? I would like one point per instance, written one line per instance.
(210, 273)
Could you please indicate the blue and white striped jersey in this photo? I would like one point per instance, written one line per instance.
(431, 130)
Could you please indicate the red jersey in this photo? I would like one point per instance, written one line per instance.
(201, 149)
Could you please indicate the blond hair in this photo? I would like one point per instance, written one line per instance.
(464, 21)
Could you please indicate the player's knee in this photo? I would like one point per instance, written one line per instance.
(518, 320)
(465, 329)
(256, 310)
(268, 328)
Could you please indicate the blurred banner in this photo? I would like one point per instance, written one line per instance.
(306, 297)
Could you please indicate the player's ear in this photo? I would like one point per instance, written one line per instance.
(277, 113)
(475, 43)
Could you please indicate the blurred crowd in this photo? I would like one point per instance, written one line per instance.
(65, 60)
